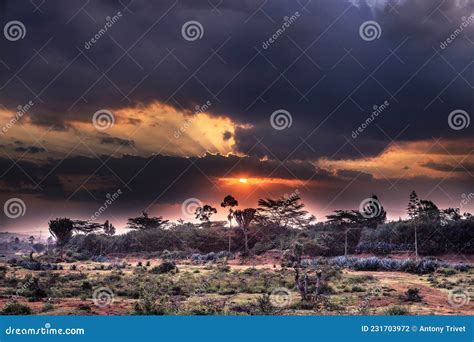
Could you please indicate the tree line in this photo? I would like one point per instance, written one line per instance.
(273, 216)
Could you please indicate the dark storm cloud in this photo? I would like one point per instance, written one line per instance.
(142, 179)
(329, 90)
(116, 141)
(30, 149)
(462, 167)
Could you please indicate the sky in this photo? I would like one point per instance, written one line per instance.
(162, 106)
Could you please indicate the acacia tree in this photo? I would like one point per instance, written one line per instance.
(62, 230)
(146, 222)
(347, 219)
(413, 211)
(204, 213)
(108, 228)
(244, 218)
(229, 202)
(283, 212)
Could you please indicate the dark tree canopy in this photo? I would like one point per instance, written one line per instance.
(283, 212)
(62, 230)
(108, 228)
(205, 212)
(244, 217)
(146, 222)
(229, 201)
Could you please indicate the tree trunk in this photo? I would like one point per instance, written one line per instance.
(345, 244)
(246, 241)
(416, 243)
(230, 233)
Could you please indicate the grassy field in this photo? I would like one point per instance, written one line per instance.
(140, 286)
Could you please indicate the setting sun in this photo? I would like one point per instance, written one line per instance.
(243, 180)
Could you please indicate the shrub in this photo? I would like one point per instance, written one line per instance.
(357, 288)
(165, 267)
(413, 295)
(16, 309)
(264, 305)
(397, 311)
(146, 304)
(47, 307)
(423, 266)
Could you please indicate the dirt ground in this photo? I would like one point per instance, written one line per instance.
(351, 290)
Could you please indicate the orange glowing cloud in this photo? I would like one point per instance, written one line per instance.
(410, 159)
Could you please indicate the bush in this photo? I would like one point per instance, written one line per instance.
(264, 305)
(47, 307)
(165, 267)
(413, 295)
(16, 309)
(423, 266)
(397, 311)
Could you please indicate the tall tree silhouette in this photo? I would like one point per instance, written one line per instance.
(204, 213)
(229, 202)
(413, 211)
(244, 218)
